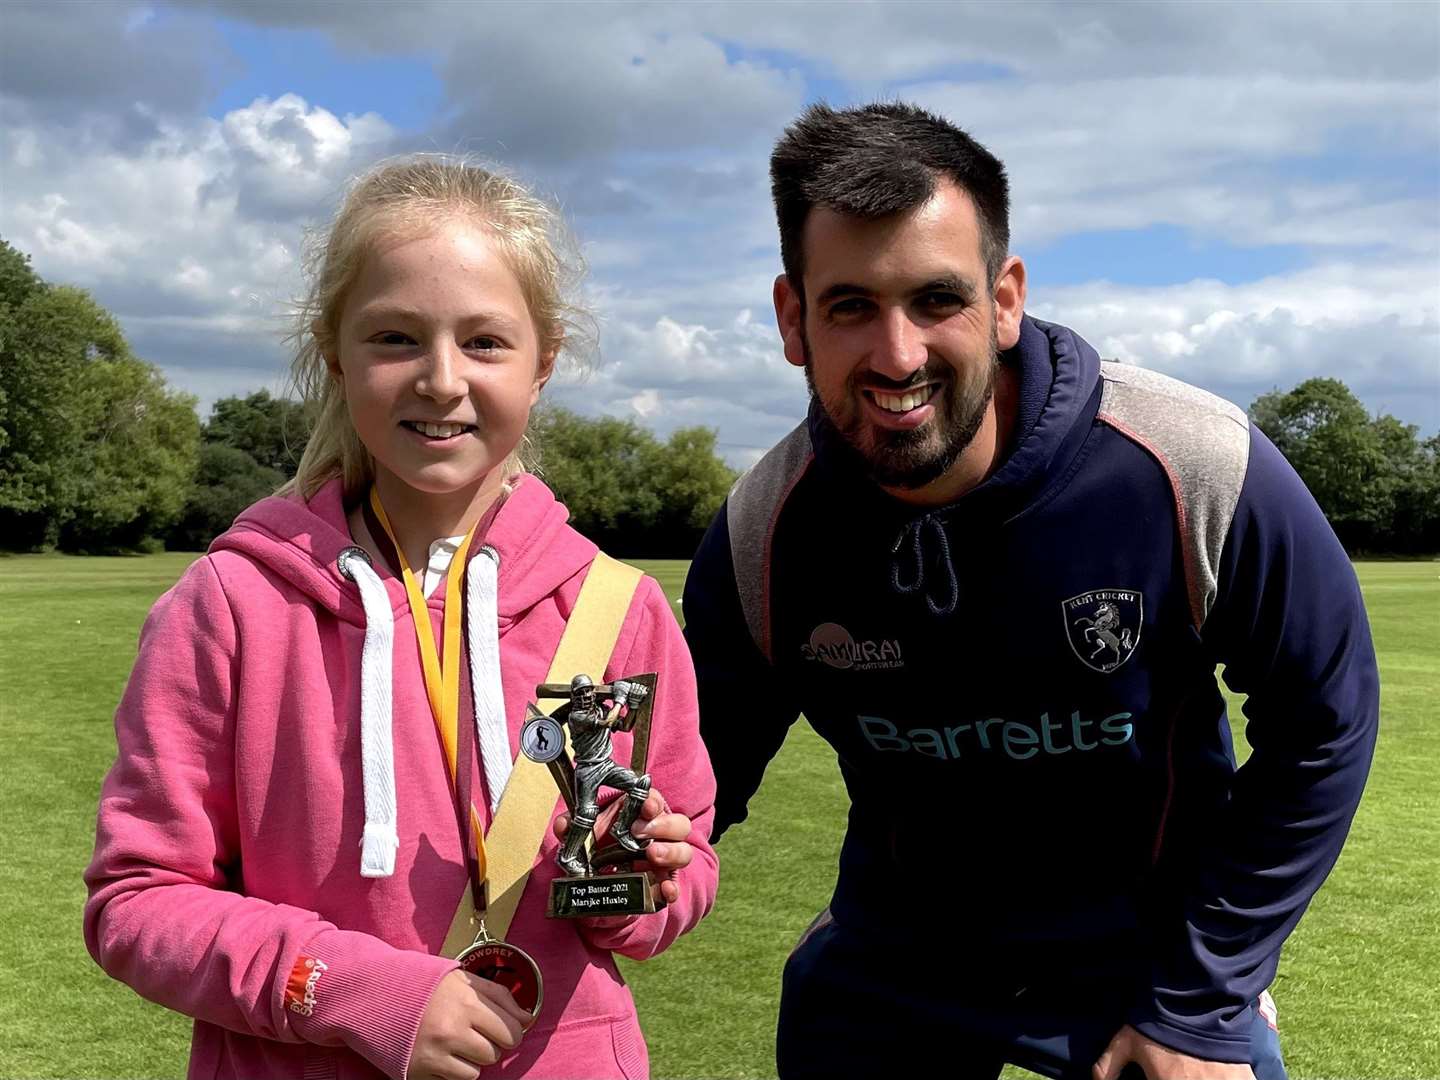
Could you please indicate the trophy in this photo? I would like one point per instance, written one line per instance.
(599, 882)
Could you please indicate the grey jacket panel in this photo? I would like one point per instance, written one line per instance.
(751, 510)
(1203, 444)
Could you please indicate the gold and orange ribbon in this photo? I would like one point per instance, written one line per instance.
(442, 679)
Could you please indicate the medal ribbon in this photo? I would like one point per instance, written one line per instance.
(442, 680)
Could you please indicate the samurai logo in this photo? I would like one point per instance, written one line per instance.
(1103, 626)
(831, 644)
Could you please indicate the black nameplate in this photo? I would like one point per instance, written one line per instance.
(610, 894)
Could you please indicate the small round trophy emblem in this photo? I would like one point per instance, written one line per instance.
(542, 739)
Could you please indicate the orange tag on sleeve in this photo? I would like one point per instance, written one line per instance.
(300, 987)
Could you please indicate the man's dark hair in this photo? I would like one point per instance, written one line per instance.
(877, 160)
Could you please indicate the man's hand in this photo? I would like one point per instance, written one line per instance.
(666, 854)
(1160, 1062)
(468, 1022)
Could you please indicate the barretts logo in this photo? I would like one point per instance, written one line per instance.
(830, 643)
(300, 987)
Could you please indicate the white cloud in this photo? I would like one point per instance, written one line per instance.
(668, 374)
(113, 65)
(191, 238)
(1227, 158)
(565, 81)
(893, 42)
(1375, 327)
(655, 131)
(226, 195)
(612, 80)
(289, 160)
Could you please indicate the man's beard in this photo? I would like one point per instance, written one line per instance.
(909, 460)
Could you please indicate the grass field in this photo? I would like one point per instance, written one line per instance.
(1358, 989)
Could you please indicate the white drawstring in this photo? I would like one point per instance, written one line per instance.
(381, 840)
(488, 692)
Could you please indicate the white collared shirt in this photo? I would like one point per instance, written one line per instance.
(442, 554)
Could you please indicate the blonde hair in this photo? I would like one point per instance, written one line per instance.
(411, 195)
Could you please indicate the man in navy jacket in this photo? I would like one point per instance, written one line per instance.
(997, 575)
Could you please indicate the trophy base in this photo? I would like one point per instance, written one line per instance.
(605, 894)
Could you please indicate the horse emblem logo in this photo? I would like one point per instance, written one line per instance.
(1103, 626)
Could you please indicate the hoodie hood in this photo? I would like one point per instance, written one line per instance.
(301, 541)
(525, 553)
(1058, 395)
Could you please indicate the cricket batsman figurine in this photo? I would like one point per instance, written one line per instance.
(592, 714)
(590, 727)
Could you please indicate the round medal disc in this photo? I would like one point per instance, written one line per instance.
(504, 964)
(542, 739)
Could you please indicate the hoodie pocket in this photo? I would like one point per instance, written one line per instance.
(631, 1054)
(607, 1048)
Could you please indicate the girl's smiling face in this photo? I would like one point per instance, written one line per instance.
(440, 361)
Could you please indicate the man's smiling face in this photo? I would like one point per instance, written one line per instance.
(898, 337)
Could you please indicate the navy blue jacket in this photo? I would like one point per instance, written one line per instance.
(1021, 687)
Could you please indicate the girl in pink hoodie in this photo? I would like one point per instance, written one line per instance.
(280, 850)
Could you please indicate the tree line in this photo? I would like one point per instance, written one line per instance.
(99, 454)
(1376, 479)
(625, 489)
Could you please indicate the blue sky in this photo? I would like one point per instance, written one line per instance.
(405, 90)
(1188, 195)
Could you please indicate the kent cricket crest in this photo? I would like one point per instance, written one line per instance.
(1103, 626)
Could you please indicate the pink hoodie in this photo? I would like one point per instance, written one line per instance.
(227, 855)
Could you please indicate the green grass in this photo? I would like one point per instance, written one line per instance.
(1357, 982)
(68, 631)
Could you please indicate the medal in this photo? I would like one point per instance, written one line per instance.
(506, 965)
(487, 957)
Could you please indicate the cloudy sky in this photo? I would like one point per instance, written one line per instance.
(1244, 196)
